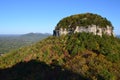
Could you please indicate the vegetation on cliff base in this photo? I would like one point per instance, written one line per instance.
(84, 54)
(83, 20)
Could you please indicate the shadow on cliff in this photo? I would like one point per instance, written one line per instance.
(35, 70)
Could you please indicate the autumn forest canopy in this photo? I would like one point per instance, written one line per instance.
(85, 19)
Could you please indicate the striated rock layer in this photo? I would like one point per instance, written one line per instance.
(96, 30)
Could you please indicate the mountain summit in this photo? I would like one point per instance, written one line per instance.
(87, 22)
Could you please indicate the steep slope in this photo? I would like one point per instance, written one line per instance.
(84, 54)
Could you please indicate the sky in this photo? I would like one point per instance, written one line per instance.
(41, 16)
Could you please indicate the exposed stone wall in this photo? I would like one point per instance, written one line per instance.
(96, 30)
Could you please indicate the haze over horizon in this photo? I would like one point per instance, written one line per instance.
(41, 16)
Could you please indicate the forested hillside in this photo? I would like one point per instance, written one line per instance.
(11, 42)
(80, 56)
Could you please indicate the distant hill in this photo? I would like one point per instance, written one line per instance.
(36, 34)
(11, 42)
(118, 36)
(33, 37)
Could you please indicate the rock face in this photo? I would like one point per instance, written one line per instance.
(96, 30)
(89, 26)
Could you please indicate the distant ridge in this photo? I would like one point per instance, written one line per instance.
(10, 42)
(118, 36)
(30, 34)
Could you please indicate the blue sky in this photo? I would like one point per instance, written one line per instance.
(41, 16)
